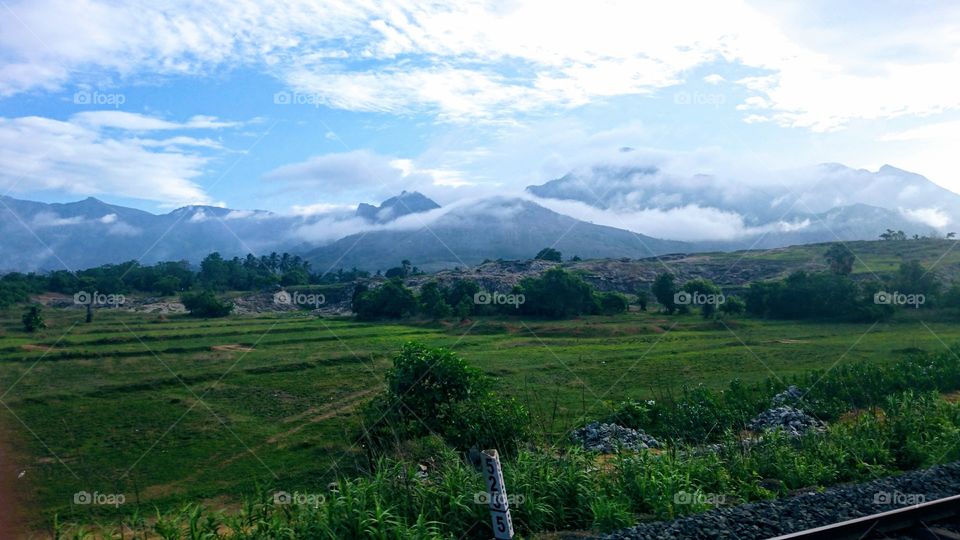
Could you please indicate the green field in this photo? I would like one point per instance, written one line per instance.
(166, 410)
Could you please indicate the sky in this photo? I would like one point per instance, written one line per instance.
(307, 106)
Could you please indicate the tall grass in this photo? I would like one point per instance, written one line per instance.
(565, 489)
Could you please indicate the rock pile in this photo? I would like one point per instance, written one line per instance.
(792, 421)
(791, 396)
(608, 438)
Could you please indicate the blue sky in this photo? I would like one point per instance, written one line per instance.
(305, 106)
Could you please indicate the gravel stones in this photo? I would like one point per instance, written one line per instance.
(767, 519)
(791, 396)
(790, 420)
(608, 438)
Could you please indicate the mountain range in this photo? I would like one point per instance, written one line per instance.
(586, 213)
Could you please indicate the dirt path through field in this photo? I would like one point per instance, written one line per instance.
(11, 516)
(348, 403)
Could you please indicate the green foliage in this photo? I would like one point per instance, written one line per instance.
(804, 295)
(663, 288)
(891, 234)
(392, 300)
(733, 305)
(611, 303)
(706, 290)
(643, 298)
(564, 489)
(549, 254)
(557, 294)
(205, 304)
(33, 319)
(432, 302)
(436, 391)
(913, 278)
(840, 259)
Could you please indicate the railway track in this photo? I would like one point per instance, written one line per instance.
(934, 520)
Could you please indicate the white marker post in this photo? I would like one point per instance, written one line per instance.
(499, 510)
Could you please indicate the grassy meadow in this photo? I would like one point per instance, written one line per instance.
(171, 409)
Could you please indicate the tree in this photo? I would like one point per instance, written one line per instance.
(549, 254)
(213, 272)
(205, 304)
(437, 391)
(432, 303)
(707, 295)
(33, 319)
(612, 303)
(840, 259)
(664, 288)
(389, 301)
(733, 305)
(891, 234)
(643, 298)
(556, 294)
(913, 278)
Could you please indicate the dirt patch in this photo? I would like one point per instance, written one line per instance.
(235, 347)
(952, 397)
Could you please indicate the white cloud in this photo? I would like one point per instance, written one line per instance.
(139, 122)
(484, 60)
(933, 217)
(77, 156)
(714, 78)
(361, 172)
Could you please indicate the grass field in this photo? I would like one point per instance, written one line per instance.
(166, 410)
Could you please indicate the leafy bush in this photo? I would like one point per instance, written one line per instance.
(663, 288)
(611, 303)
(436, 391)
(556, 294)
(33, 319)
(392, 300)
(549, 254)
(205, 304)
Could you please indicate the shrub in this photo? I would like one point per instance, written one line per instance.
(205, 304)
(556, 294)
(436, 391)
(392, 300)
(611, 303)
(33, 319)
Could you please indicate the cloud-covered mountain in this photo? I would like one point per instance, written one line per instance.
(818, 204)
(492, 228)
(39, 236)
(615, 210)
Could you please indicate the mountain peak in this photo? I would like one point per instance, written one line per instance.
(407, 202)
